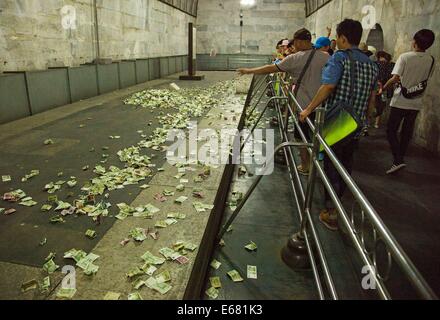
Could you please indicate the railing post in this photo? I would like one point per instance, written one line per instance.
(295, 254)
(319, 121)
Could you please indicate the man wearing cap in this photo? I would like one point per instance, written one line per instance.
(310, 83)
(323, 44)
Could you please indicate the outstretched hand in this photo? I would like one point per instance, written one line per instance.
(303, 115)
(242, 71)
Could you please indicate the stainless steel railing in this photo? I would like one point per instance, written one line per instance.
(303, 195)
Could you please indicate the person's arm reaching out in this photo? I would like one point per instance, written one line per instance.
(323, 93)
(271, 68)
(331, 75)
(397, 72)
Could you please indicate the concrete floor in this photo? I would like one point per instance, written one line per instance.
(21, 232)
(407, 202)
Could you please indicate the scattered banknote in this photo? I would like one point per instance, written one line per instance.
(144, 186)
(57, 219)
(154, 235)
(161, 287)
(14, 196)
(48, 142)
(46, 207)
(66, 293)
(168, 193)
(152, 209)
(252, 272)
(182, 260)
(164, 276)
(52, 199)
(43, 242)
(45, 284)
(181, 199)
(149, 258)
(201, 207)
(215, 282)
(180, 187)
(149, 269)
(62, 206)
(212, 293)
(176, 215)
(124, 242)
(190, 246)
(50, 267)
(169, 254)
(50, 256)
(215, 264)
(29, 285)
(138, 234)
(235, 276)
(6, 178)
(74, 254)
(91, 234)
(32, 174)
(72, 183)
(112, 296)
(252, 246)
(136, 271)
(28, 203)
(135, 296)
(139, 283)
(161, 224)
(10, 211)
(170, 221)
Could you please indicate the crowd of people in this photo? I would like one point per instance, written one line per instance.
(347, 77)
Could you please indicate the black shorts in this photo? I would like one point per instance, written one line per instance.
(305, 129)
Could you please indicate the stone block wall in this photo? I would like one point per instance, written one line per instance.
(37, 34)
(263, 25)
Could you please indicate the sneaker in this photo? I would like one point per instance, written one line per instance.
(329, 219)
(396, 167)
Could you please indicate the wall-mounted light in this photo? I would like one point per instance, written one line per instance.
(247, 2)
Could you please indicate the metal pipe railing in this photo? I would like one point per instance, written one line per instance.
(396, 251)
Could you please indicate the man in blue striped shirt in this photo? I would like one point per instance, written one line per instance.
(336, 84)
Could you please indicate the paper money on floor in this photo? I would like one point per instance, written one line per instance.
(215, 264)
(235, 276)
(252, 246)
(66, 293)
(135, 296)
(215, 282)
(29, 285)
(252, 272)
(212, 293)
(50, 267)
(149, 258)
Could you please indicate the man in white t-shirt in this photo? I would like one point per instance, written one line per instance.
(411, 69)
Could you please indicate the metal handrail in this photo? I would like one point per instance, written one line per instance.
(395, 250)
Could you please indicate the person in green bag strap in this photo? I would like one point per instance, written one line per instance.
(336, 85)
